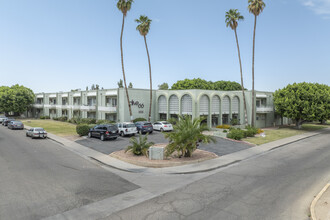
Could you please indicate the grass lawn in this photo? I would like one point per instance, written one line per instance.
(55, 127)
(276, 134)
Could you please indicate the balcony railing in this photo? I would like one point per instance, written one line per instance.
(265, 109)
(38, 105)
(87, 107)
(107, 109)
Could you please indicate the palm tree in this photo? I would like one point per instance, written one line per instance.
(232, 18)
(144, 27)
(124, 6)
(186, 135)
(255, 7)
(139, 147)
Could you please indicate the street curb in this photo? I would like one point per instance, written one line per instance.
(312, 208)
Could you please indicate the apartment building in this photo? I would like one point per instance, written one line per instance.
(217, 107)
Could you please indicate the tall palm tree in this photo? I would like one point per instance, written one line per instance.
(232, 18)
(144, 27)
(124, 6)
(255, 7)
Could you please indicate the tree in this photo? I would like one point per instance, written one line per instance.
(186, 135)
(17, 99)
(163, 86)
(124, 6)
(144, 27)
(139, 147)
(206, 85)
(303, 102)
(255, 7)
(130, 85)
(232, 18)
(226, 86)
(120, 84)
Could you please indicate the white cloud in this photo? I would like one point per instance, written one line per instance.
(320, 7)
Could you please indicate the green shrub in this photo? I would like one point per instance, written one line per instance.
(173, 121)
(234, 121)
(251, 131)
(42, 117)
(225, 131)
(236, 134)
(87, 121)
(82, 129)
(139, 119)
(140, 147)
(75, 120)
(63, 118)
(55, 118)
(104, 122)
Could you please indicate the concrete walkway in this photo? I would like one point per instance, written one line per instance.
(204, 166)
(320, 208)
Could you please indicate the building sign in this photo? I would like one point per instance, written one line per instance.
(137, 103)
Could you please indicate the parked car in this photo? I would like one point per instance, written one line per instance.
(6, 121)
(144, 127)
(15, 125)
(36, 133)
(2, 118)
(107, 131)
(126, 128)
(162, 126)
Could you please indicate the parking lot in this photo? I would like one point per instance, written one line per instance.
(221, 147)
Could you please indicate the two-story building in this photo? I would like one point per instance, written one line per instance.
(217, 107)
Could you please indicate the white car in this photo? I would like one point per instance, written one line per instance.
(36, 133)
(126, 128)
(162, 126)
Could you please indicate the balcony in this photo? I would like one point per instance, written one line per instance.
(76, 106)
(88, 107)
(264, 109)
(38, 105)
(108, 109)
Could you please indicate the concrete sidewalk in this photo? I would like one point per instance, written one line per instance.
(204, 166)
(320, 208)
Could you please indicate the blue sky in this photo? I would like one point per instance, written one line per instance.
(59, 45)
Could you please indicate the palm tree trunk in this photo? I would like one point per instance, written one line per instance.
(122, 64)
(253, 95)
(145, 41)
(242, 84)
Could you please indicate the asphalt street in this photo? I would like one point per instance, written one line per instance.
(276, 185)
(221, 147)
(39, 178)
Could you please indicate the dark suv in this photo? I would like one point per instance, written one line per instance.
(104, 132)
(144, 127)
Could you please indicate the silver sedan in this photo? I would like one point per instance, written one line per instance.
(36, 133)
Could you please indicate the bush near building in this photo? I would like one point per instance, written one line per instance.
(238, 134)
(83, 129)
(139, 119)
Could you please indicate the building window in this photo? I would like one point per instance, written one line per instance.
(225, 119)
(91, 101)
(76, 101)
(111, 117)
(111, 101)
(215, 120)
(162, 116)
